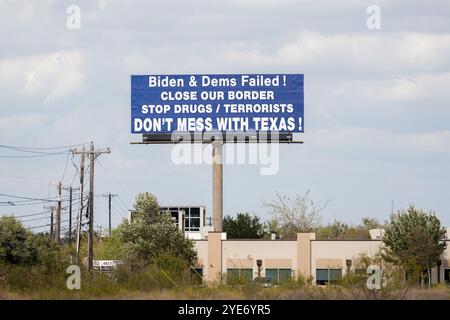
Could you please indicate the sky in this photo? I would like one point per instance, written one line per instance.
(376, 101)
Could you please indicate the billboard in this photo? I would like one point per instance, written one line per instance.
(217, 102)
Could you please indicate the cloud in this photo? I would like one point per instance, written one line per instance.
(48, 76)
(20, 126)
(377, 144)
(437, 142)
(360, 52)
(432, 87)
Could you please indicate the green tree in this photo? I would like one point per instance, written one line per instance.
(371, 223)
(335, 230)
(243, 226)
(413, 240)
(22, 247)
(149, 235)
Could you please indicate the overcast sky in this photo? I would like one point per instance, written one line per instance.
(377, 114)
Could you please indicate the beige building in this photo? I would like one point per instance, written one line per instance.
(324, 260)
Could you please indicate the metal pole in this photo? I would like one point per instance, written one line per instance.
(217, 185)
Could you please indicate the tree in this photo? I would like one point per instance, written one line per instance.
(298, 215)
(335, 230)
(151, 234)
(371, 223)
(243, 226)
(21, 247)
(413, 240)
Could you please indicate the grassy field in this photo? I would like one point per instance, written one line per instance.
(98, 291)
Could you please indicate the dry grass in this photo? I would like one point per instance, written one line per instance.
(224, 293)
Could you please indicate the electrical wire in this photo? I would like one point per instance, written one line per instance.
(65, 167)
(49, 199)
(35, 156)
(35, 219)
(31, 215)
(43, 148)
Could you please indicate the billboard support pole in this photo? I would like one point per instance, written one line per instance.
(217, 167)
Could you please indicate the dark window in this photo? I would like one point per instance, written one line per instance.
(174, 216)
(246, 274)
(195, 212)
(278, 276)
(328, 276)
(284, 275)
(239, 276)
(195, 224)
(272, 274)
(447, 276)
(361, 271)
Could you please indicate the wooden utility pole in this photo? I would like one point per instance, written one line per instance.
(91, 208)
(70, 215)
(80, 208)
(58, 215)
(110, 196)
(92, 154)
(70, 189)
(51, 208)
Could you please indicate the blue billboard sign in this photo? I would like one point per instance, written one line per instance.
(203, 103)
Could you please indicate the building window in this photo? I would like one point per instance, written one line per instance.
(328, 276)
(197, 275)
(195, 212)
(278, 276)
(361, 272)
(239, 276)
(447, 276)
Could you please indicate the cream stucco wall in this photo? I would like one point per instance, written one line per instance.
(333, 254)
(266, 250)
(201, 246)
(302, 255)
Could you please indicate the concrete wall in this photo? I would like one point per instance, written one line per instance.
(304, 255)
(333, 254)
(245, 253)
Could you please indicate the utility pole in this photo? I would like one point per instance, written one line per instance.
(58, 215)
(110, 196)
(92, 154)
(51, 208)
(70, 189)
(70, 216)
(80, 208)
(51, 223)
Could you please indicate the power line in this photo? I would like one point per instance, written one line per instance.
(30, 151)
(45, 148)
(35, 156)
(29, 198)
(111, 176)
(25, 178)
(30, 215)
(33, 202)
(35, 219)
(37, 227)
(65, 167)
